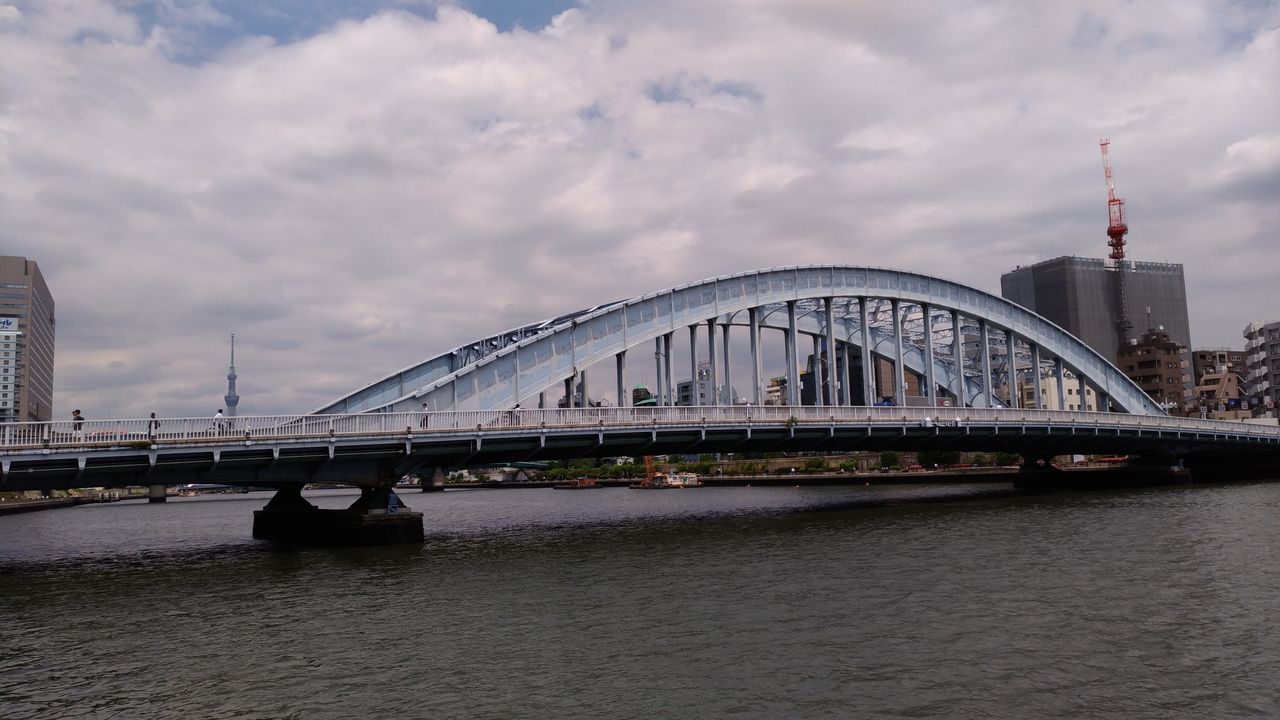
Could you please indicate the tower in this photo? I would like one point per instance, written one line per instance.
(231, 398)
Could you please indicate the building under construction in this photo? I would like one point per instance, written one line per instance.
(1080, 295)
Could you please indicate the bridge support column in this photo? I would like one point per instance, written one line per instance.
(669, 384)
(1060, 375)
(378, 517)
(868, 369)
(657, 371)
(846, 394)
(434, 481)
(693, 366)
(899, 365)
(1082, 391)
(988, 392)
(1011, 364)
(829, 367)
(816, 376)
(622, 379)
(930, 381)
(728, 397)
(753, 319)
(793, 340)
(156, 493)
(1037, 400)
(713, 374)
(957, 355)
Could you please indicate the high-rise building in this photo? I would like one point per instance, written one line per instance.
(1083, 296)
(1262, 367)
(26, 342)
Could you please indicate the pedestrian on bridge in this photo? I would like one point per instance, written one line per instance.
(217, 421)
(153, 427)
(425, 417)
(77, 424)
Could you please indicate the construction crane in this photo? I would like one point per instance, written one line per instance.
(1116, 230)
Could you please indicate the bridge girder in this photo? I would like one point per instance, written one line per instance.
(512, 367)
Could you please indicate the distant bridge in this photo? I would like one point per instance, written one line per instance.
(373, 449)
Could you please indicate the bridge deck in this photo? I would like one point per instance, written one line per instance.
(370, 448)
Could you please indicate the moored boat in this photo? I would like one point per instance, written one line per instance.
(581, 483)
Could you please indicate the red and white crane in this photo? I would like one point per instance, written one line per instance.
(1116, 230)
(1116, 227)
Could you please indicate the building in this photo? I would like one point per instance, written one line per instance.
(1082, 295)
(1262, 367)
(776, 392)
(1161, 366)
(685, 389)
(1049, 392)
(1216, 360)
(26, 342)
(1219, 395)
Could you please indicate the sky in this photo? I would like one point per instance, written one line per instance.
(352, 187)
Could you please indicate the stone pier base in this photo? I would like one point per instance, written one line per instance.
(377, 518)
(156, 493)
(337, 527)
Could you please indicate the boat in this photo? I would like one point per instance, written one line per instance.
(662, 481)
(580, 483)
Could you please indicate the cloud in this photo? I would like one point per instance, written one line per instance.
(352, 194)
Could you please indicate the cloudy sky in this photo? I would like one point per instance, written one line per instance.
(353, 186)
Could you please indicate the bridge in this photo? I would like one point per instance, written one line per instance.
(899, 360)
(376, 449)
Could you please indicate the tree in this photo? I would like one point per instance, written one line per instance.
(889, 459)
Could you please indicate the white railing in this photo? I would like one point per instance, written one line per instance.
(147, 432)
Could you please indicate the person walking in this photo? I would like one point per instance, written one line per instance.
(153, 427)
(77, 424)
(423, 424)
(217, 421)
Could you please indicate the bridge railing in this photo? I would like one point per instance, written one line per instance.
(147, 432)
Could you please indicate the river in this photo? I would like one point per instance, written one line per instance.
(831, 602)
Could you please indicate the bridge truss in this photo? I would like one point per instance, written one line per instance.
(956, 345)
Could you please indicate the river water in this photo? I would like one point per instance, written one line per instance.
(829, 602)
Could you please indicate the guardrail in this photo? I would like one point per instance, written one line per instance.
(66, 434)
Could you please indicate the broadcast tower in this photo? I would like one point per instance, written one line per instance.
(231, 398)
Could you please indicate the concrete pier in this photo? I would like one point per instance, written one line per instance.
(156, 493)
(378, 517)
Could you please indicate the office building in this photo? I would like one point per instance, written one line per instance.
(1083, 296)
(1262, 367)
(26, 342)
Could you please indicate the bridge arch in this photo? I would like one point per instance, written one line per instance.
(961, 345)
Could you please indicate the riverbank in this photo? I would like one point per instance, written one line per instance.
(14, 506)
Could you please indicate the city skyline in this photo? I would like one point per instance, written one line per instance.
(352, 193)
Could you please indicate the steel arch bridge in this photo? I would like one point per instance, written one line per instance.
(958, 345)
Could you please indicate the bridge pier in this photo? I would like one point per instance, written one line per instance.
(378, 517)
(156, 493)
(433, 482)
